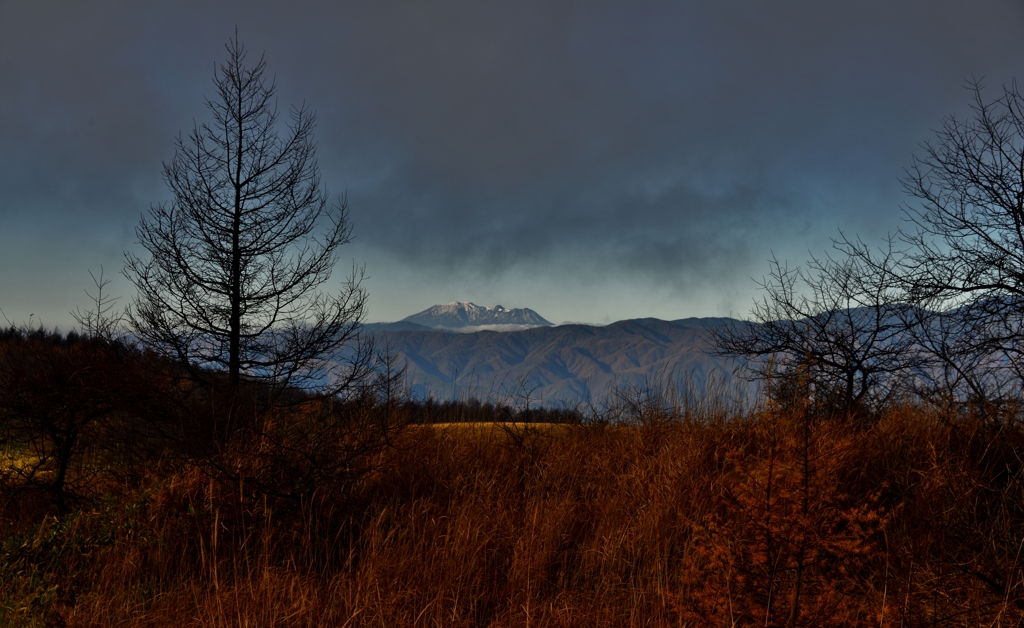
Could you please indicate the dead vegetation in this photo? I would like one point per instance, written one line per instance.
(774, 516)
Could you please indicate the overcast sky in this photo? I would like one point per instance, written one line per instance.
(593, 161)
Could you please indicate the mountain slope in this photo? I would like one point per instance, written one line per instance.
(566, 363)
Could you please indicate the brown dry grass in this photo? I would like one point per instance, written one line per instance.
(770, 519)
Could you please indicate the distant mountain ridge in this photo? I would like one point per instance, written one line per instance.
(555, 364)
(576, 362)
(463, 316)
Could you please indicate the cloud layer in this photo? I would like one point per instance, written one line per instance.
(636, 158)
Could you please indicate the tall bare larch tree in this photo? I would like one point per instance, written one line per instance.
(238, 256)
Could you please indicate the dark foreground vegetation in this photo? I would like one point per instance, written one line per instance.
(121, 505)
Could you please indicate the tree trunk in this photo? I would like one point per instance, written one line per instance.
(65, 448)
(235, 281)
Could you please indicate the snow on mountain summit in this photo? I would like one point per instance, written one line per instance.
(465, 316)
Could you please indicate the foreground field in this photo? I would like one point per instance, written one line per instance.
(770, 519)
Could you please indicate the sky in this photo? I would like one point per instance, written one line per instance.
(594, 161)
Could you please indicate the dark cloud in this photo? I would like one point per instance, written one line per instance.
(669, 143)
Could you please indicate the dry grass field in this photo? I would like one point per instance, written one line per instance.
(773, 518)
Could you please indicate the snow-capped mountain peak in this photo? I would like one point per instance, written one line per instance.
(465, 316)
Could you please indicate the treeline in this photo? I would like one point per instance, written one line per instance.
(432, 411)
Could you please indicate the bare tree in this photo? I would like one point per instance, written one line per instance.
(839, 324)
(104, 320)
(942, 303)
(238, 255)
(966, 243)
(962, 263)
(967, 236)
(57, 400)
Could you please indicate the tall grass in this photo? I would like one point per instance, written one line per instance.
(770, 516)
